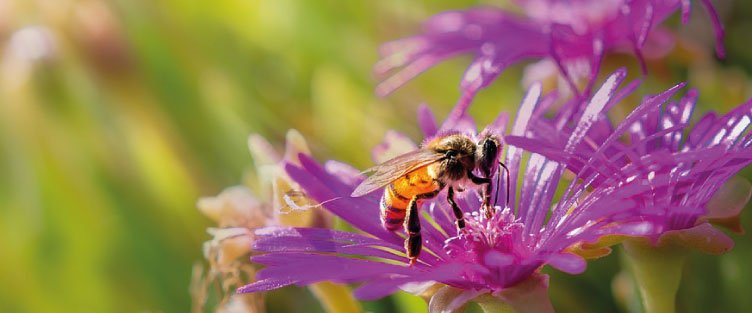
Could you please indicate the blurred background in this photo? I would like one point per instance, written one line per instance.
(115, 116)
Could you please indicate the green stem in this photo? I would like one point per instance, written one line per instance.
(491, 304)
(335, 298)
(657, 272)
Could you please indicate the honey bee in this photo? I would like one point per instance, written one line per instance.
(421, 174)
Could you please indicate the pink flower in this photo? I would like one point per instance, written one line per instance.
(490, 256)
(574, 35)
(685, 166)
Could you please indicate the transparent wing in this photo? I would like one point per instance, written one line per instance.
(389, 171)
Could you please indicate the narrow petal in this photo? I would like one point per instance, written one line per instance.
(265, 285)
(276, 239)
(717, 27)
(498, 38)
(593, 109)
(568, 263)
(519, 127)
(378, 288)
(426, 120)
(295, 267)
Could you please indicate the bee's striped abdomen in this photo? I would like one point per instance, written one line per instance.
(397, 196)
(393, 208)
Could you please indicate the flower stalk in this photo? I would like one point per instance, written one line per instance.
(335, 298)
(491, 304)
(657, 270)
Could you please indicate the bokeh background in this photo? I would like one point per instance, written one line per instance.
(115, 116)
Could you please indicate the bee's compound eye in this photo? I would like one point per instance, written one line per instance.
(488, 155)
(489, 144)
(451, 153)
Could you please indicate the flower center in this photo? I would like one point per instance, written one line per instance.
(487, 241)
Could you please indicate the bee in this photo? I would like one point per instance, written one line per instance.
(413, 177)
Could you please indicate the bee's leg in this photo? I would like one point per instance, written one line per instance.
(414, 241)
(506, 170)
(456, 209)
(486, 182)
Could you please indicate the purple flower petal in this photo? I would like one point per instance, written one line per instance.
(568, 263)
(658, 173)
(568, 33)
(426, 120)
(451, 33)
(519, 127)
(276, 239)
(265, 285)
(384, 286)
(294, 268)
(717, 27)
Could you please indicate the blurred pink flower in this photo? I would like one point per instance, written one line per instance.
(573, 35)
(238, 212)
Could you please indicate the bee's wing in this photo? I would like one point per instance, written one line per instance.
(389, 171)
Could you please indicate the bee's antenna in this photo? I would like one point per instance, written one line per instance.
(498, 180)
